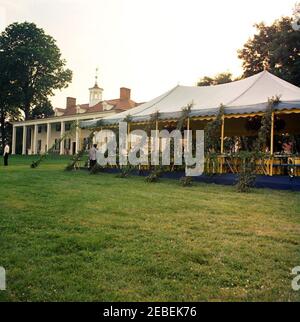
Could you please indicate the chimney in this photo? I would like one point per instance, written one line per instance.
(71, 101)
(124, 93)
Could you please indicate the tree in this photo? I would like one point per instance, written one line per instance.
(7, 117)
(34, 66)
(42, 110)
(205, 81)
(221, 78)
(275, 48)
(8, 110)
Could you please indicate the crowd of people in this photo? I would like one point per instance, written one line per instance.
(285, 146)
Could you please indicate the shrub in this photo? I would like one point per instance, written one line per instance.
(125, 172)
(154, 175)
(96, 169)
(246, 178)
(186, 181)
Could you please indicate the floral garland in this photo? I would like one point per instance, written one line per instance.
(266, 124)
(212, 134)
(247, 174)
(185, 113)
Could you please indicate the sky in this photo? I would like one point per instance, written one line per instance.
(149, 46)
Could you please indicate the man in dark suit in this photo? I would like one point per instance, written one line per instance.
(6, 154)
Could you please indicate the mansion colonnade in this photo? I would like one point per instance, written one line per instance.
(37, 136)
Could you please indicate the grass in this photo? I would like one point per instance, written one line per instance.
(71, 236)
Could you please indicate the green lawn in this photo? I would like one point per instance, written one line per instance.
(69, 236)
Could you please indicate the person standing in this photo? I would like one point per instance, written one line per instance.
(93, 156)
(6, 154)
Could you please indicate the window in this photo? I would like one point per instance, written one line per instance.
(56, 144)
(39, 146)
(58, 127)
(39, 129)
(67, 126)
(67, 144)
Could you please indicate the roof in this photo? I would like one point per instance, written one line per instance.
(118, 105)
(96, 86)
(249, 95)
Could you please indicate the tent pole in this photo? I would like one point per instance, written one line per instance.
(222, 135)
(272, 135)
(272, 144)
(222, 143)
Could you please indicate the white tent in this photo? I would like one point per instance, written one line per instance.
(245, 96)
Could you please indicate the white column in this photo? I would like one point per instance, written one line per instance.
(24, 140)
(48, 136)
(13, 148)
(62, 132)
(34, 151)
(77, 138)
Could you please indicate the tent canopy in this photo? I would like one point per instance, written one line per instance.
(245, 96)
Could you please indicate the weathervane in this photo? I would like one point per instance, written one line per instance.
(96, 76)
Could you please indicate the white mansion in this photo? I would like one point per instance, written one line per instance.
(38, 135)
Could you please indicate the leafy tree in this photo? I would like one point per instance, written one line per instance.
(6, 119)
(42, 110)
(275, 48)
(8, 109)
(3, 105)
(221, 78)
(34, 66)
(205, 81)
